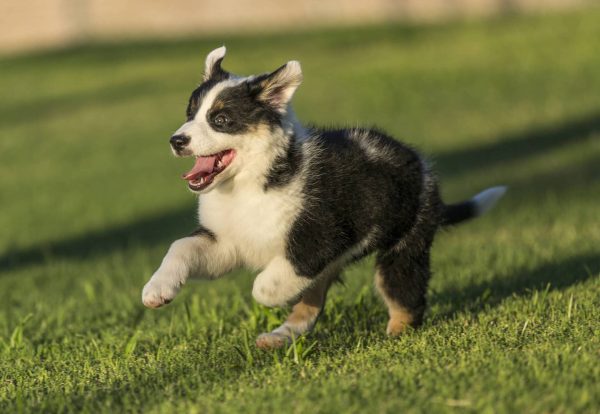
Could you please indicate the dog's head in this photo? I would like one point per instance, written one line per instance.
(232, 120)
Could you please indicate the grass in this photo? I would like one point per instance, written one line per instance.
(91, 199)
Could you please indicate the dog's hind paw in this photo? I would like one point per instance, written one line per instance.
(272, 340)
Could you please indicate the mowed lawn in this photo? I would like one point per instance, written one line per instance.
(91, 199)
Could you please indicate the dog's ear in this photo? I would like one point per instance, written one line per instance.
(212, 66)
(277, 88)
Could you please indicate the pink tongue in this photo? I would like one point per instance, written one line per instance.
(203, 166)
(227, 157)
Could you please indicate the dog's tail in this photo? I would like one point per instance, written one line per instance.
(475, 207)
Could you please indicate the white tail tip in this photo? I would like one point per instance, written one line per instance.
(485, 200)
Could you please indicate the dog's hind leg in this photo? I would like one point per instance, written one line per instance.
(302, 319)
(401, 278)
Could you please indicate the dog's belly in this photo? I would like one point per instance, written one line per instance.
(255, 222)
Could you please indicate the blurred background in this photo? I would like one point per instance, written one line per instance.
(91, 89)
(51, 23)
(493, 91)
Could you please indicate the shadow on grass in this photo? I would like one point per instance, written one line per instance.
(364, 321)
(552, 275)
(166, 226)
(516, 147)
(147, 231)
(581, 177)
(102, 96)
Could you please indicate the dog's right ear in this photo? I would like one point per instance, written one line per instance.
(212, 66)
(277, 88)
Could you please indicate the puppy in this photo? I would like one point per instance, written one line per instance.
(298, 203)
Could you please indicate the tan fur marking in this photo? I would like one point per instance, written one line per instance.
(400, 317)
(310, 305)
(302, 318)
(217, 105)
(303, 312)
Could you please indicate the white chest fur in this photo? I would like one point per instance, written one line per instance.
(254, 221)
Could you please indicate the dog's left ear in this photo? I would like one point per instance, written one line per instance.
(212, 66)
(277, 88)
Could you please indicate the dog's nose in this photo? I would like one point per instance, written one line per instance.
(178, 142)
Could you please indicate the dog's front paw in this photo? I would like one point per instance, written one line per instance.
(156, 294)
(269, 294)
(278, 285)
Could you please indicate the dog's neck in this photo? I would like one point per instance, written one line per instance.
(292, 127)
(274, 152)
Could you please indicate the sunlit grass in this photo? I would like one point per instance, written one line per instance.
(91, 200)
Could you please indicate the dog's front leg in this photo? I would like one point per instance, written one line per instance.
(199, 256)
(278, 284)
(303, 317)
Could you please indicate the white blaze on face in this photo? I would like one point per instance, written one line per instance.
(203, 139)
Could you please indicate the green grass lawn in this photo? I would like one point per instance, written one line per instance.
(91, 199)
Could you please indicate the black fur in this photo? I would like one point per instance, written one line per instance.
(217, 73)
(457, 213)
(351, 196)
(203, 231)
(386, 197)
(241, 106)
(195, 101)
(405, 275)
(285, 167)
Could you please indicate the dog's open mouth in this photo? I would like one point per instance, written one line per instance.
(207, 168)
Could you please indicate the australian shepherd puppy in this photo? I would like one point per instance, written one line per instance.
(298, 203)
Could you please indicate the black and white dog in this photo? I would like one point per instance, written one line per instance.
(298, 203)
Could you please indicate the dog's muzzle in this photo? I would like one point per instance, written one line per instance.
(179, 142)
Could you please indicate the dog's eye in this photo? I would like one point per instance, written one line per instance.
(221, 120)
